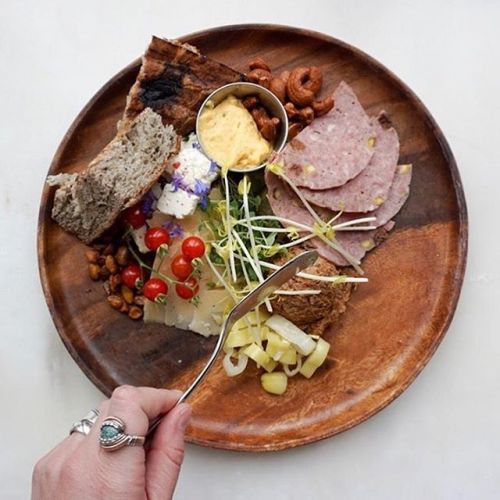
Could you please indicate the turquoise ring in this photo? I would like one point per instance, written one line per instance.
(113, 436)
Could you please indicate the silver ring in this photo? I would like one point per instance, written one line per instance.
(113, 436)
(84, 425)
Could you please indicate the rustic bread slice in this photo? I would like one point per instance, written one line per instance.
(174, 80)
(88, 203)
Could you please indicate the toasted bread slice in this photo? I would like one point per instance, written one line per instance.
(174, 80)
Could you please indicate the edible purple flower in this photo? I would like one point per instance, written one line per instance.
(173, 228)
(147, 203)
(178, 182)
(214, 168)
(196, 145)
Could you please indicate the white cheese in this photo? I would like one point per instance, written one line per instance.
(177, 202)
(138, 237)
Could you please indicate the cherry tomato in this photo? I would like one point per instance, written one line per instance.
(130, 275)
(134, 216)
(181, 267)
(155, 237)
(153, 288)
(193, 247)
(188, 289)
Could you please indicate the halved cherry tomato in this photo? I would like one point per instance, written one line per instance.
(154, 288)
(134, 216)
(193, 247)
(181, 267)
(155, 237)
(188, 289)
(130, 275)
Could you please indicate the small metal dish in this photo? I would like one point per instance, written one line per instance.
(269, 101)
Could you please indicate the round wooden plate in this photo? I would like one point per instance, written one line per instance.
(392, 326)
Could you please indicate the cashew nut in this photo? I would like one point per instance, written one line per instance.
(278, 87)
(294, 129)
(259, 63)
(260, 76)
(322, 107)
(302, 84)
(304, 116)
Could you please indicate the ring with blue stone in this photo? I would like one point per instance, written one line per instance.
(113, 436)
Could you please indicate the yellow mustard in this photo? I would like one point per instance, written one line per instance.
(230, 137)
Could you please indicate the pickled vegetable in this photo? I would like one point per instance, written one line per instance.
(274, 383)
(316, 359)
(303, 342)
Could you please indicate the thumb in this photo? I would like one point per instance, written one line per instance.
(165, 455)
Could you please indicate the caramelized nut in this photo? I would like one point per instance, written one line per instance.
(127, 294)
(322, 107)
(94, 272)
(304, 115)
(259, 63)
(284, 76)
(301, 88)
(135, 312)
(250, 102)
(111, 264)
(315, 80)
(122, 256)
(260, 76)
(92, 256)
(278, 87)
(294, 129)
(115, 301)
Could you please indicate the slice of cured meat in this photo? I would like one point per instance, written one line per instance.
(370, 189)
(357, 243)
(284, 203)
(334, 148)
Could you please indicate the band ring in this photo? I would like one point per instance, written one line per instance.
(113, 436)
(84, 425)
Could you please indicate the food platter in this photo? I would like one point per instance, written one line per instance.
(392, 325)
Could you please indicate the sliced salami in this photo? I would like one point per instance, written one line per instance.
(334, 148)
(370, 189)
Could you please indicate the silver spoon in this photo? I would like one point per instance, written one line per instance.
(256, 297)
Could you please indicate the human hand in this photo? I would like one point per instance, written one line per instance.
(78, 468)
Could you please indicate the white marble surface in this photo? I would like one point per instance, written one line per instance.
(441, 438)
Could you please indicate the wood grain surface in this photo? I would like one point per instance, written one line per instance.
(392, 325)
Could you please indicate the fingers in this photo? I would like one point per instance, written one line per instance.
(136, 406)
(166, 453)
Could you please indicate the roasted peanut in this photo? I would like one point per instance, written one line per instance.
(115, 280)
(127, 294)
(259, 63)
(260, 76)
(111, 264)
(294, 129)
(135, 312)
(278, 87)
(94, 272)
(297, 90)
(322, 107)
(124, 308)
(305, 115)
(92, 256)
(139, 300)
(104, 272)
(108, 249)
(122, 256)
(115, 301)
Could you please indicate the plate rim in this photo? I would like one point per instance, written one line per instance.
(462, 221)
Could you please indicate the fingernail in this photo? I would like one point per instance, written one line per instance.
(184, 417)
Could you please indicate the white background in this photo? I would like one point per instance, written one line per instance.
(441, 438)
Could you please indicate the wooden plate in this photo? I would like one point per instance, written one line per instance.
(392, 325)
